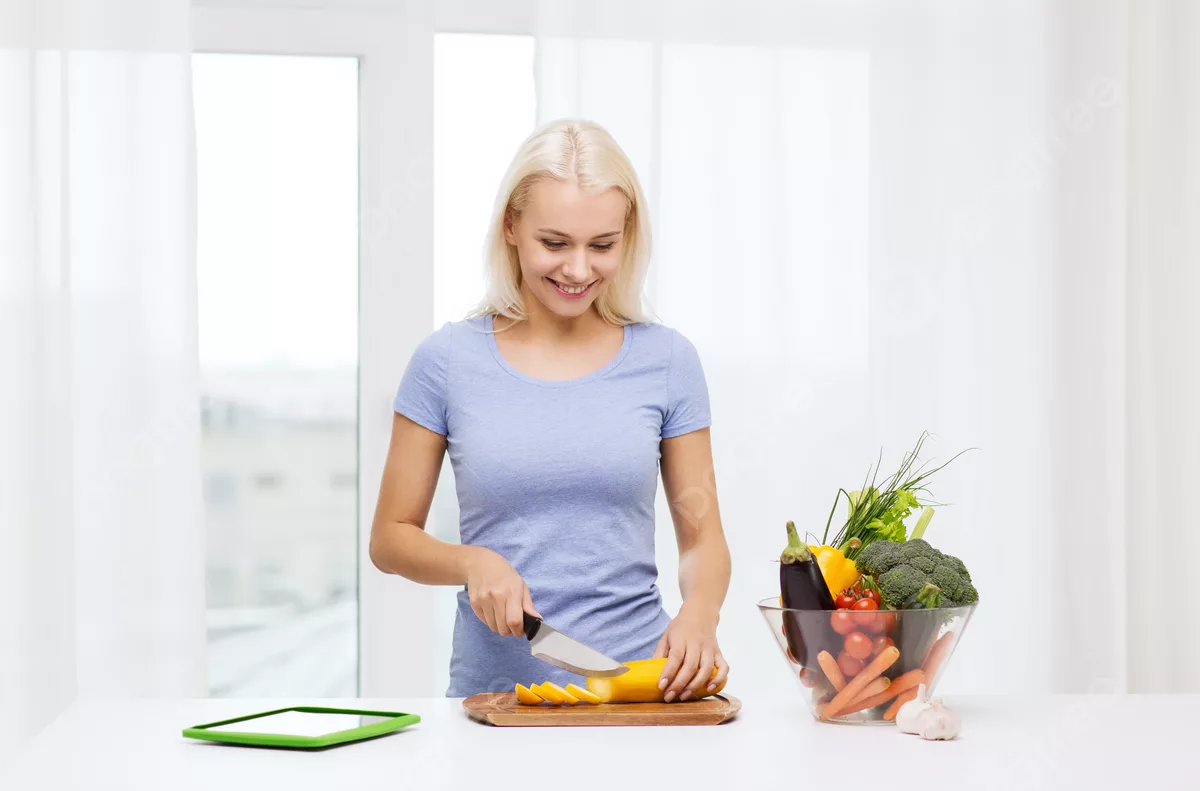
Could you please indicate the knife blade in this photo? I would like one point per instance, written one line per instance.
(550, 645)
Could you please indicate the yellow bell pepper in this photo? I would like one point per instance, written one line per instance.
(838, 570)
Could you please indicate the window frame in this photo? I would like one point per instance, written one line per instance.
(395, 210)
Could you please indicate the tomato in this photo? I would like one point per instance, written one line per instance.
(881, 643)
(873, 595)
(808, 678)
(887, 620)
(843, 622)
(857, 645)
(849, 666)
(866, 615)
(791, 658)
(845, 600)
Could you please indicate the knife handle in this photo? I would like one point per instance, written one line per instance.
(532, 625)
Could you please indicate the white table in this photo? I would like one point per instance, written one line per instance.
(1085, 742)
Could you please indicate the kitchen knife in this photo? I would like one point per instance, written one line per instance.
(550, 645)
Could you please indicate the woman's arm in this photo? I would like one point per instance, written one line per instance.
(400, 545)
(690, 643)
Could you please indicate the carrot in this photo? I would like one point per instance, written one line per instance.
(902, 683)
(880, 663)
(937, 655)
(904, 697)
(876, 687)
(832, 671)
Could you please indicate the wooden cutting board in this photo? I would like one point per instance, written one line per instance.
(502, 708)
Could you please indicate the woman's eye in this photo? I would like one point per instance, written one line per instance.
(551, 244)
(603, 248)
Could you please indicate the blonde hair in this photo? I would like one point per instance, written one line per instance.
(583, 151)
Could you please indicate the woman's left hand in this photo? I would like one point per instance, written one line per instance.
(690, 646)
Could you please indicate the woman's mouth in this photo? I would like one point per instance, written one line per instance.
(568, 291)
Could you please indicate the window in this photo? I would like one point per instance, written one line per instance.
(277, 170)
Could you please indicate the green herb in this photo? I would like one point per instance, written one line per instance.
(877, 511)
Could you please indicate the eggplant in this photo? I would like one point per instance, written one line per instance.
(802, 587)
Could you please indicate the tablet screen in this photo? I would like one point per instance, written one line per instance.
(301, 723)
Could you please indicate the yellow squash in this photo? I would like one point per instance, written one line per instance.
(527, 696)
(582, 694)
(554, 693)
(639, 685)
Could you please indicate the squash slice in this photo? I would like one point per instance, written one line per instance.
(528, 696)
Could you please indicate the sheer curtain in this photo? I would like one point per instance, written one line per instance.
(101, 556)
(879, 218)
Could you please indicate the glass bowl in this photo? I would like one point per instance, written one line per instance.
(926, 640)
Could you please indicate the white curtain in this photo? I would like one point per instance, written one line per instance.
(101, 555)
(975, 218)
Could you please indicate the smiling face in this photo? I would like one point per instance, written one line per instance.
(570, 244)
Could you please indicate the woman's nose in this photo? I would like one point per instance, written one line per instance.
(576, 266)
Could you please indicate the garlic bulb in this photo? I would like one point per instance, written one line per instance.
(906, 717)
(937, 721)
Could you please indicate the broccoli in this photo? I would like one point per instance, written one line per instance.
(924, 565)
(900, 583)
(878, 557)
(918, 548)
(957, 565)
(903, 569)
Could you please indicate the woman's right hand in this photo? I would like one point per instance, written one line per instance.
(498, 594)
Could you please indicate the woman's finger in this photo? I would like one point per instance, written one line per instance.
(500, 614)
(722, 672)
(527, 605)
(488, 614)
(480, 612)
(686, 669)
(674, 660)
(704, 670)
(660, 651)
(512, 615)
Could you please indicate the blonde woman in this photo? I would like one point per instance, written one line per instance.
(558, 400)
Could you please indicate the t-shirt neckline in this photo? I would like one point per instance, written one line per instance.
(626, 342)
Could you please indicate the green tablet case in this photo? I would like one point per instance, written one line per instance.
(394, 722)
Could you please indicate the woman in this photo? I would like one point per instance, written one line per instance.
(557, 401)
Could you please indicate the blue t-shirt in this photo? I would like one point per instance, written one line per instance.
(558, 477)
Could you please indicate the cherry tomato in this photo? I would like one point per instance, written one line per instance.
(843, 622)
(791, 658)
(887, 620)
(809, 678)
(881, 643)
(857, 645)
(866, 615)
(849, 666)
(845, 600)
(873, 595)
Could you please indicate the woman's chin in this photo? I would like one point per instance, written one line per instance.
(564, 307)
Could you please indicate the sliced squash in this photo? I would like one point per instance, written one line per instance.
(556, 694)
(528, 696)
(546, 696)
(583, 694)
(639, 685)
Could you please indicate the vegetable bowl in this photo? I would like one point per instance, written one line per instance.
(860, 666)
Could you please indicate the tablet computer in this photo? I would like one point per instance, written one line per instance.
(304, 727)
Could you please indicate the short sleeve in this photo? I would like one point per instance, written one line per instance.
(422, 394)
(687, 391)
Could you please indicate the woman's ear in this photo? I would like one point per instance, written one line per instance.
(510, 234)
